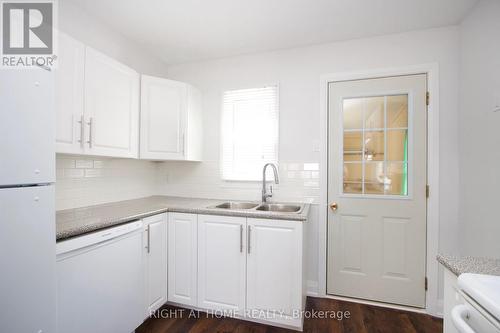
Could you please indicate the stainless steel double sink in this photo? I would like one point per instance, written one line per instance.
(265, 207)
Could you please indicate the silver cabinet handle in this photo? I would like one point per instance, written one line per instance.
(241, 238)
(249, 231)
(82, 130)
(90, 123)
(149, 239)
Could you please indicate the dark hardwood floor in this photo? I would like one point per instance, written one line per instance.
(362, 319)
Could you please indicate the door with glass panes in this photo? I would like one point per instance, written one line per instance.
(377, 189)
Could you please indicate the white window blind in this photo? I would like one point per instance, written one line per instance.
(249, 132)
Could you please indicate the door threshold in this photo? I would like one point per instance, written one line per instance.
(380, 304)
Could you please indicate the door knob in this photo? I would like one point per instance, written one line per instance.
(334, 206)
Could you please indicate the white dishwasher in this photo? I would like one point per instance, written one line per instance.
(100, 281)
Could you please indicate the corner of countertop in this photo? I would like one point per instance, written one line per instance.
(469, 264)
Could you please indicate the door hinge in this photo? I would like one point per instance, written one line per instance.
(427, 98)
(427, 191)
(426, 284)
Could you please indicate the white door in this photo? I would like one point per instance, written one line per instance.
(69, 88)
(28, 258)
(27, 126)
(156, 261)
(377, 183)
(163, 118)
(274, 266)
(111, 106)
(182, 258)
(221, 262)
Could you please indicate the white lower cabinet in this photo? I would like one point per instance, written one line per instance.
(250, 268)
(274, 271)
(221, 263)
(182, 258)
(155, 230)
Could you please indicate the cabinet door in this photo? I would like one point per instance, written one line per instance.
(182, 258)
(221, 262)
(156, 261)
(274, 266)
(111, 106)
(163, 118)
(69, 88)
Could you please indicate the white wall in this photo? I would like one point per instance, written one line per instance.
(298, 73)
(480, 131)
(77, 23)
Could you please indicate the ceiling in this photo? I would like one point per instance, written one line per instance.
(189, 30)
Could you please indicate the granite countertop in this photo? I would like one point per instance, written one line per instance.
(78, 221)
(477, 265)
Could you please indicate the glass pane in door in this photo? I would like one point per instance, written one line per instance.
(353, 113)
(374, 178)
(375, 145)
(396, 183)
(397, 111)
(397, 145)
(374, 112)
(353, 145)
(353, 177)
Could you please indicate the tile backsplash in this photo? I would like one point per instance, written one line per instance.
(299, 182)
(83, 181)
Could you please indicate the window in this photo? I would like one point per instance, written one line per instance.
(249, 132)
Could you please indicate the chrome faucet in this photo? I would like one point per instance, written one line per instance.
(269, 194)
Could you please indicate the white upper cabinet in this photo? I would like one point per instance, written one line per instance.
(98, 109)
(170, 120)
(221, 262)
(69, 89)
(111, 106)
(97, 103)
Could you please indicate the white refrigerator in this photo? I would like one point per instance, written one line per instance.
(27, 212)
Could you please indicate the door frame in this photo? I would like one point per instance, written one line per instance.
(433, 304)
